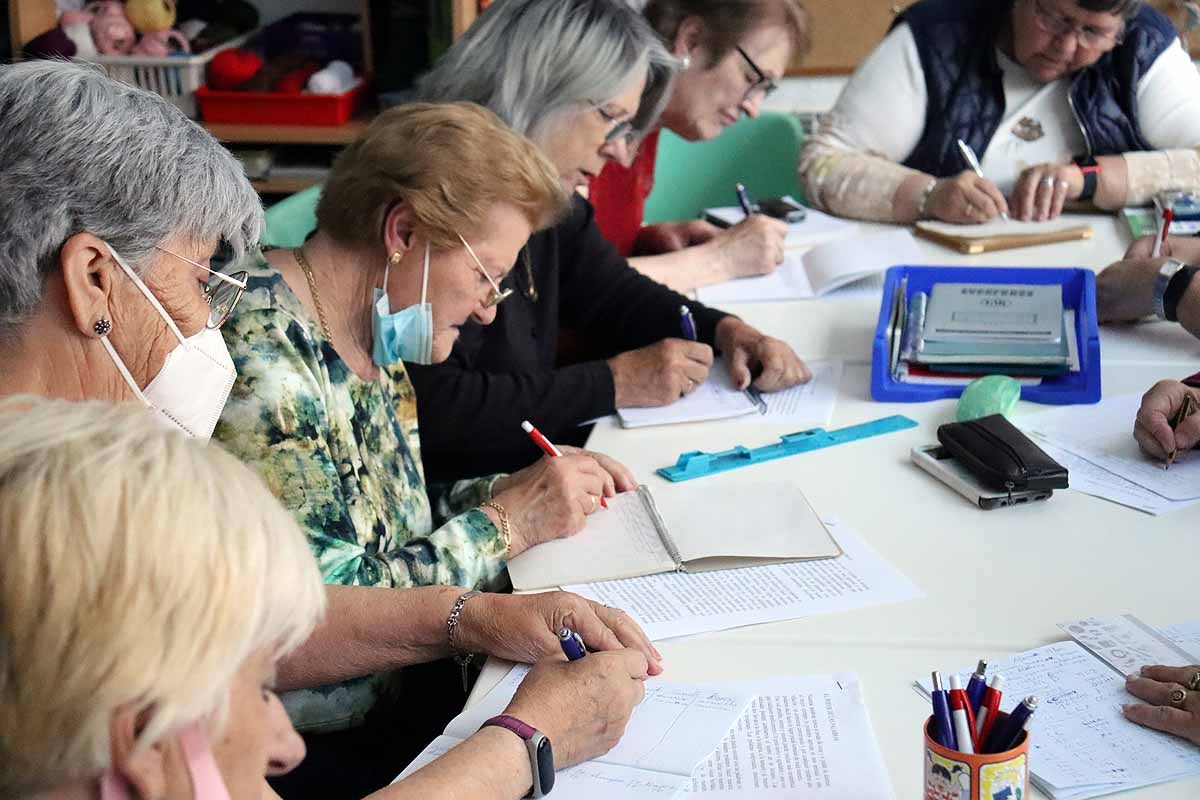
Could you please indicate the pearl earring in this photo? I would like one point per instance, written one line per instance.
(102, 327)
(687, 61)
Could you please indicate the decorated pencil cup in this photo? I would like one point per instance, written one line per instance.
(952, 775)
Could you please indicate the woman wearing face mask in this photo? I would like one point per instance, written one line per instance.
(574, 76)
(418, 225)
(146, 670)
(732, 52)
(1060, 100)
(113, 205)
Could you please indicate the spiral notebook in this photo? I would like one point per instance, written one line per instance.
(688, 529)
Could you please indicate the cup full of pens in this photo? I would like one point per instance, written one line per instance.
(973, 750)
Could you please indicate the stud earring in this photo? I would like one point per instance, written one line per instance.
(396, 258)
(687, 61)
(102, 327)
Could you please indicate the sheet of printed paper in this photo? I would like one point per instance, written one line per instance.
(1080, 745)
(716, 398)
(591, 780)
(1126, 643)
(806, 404)
(1103, 434)
(1186, 636)
(674, 728)
(803, 736)
(1090, 479)
(681, 604)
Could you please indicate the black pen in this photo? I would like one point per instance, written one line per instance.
(744, 199)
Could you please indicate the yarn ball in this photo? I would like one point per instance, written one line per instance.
(233, 68)
(151, 16)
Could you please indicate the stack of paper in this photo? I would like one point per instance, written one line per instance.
(806, 404)
(1079, 744)
(1096, 445)
(670, 733)
(805, 275)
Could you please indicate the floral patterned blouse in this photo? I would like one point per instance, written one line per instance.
(343, 455)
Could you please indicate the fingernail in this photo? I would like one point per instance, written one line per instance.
(1142, 671)
(1129, 678)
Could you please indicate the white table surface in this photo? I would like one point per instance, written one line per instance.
(996, 582)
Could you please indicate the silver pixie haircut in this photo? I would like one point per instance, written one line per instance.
(530, 61)
(80, 152)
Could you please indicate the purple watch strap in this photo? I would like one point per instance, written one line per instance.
(513, 724)
(1192, 380)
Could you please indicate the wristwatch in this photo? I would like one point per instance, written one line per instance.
(541, 756)
(1170, 283)
(1091, 174)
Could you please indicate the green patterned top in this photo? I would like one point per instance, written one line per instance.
(343, 455)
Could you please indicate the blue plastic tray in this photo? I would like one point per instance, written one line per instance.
(1079, 293)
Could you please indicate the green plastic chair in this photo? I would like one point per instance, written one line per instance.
(762, 153)
(292, 219)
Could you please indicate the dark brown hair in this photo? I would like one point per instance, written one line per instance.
(726, 22)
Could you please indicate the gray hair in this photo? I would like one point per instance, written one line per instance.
(531, 61)
(80, 152)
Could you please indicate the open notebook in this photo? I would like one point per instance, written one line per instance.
(689, 529)
(1002, 234)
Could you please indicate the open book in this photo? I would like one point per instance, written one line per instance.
(674, 729)
(824, 268)
(1002, 234)
(690, 529)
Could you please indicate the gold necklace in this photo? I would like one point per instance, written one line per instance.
(531, 292)
(306, 268)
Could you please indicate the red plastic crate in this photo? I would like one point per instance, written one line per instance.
(280, 108)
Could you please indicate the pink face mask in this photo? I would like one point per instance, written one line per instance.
(207, 783)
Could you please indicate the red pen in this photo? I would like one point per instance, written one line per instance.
(1161, 239)
(547, 446)
(964, 720)
(989, 709)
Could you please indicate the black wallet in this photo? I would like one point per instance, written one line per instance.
(1000, 456)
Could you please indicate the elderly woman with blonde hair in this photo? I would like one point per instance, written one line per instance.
(136, 662)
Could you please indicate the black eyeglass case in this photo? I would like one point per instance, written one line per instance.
(1000, 456)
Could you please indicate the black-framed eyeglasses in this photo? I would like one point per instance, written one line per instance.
(621, 129)
(760, 82)
(1061, 25)
(222, 292)
(497, 295)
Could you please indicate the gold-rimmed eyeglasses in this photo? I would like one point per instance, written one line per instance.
(221, 292)
(1087, 36)
(497, 295)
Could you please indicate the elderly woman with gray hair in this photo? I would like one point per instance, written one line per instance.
(114, 203)
(147, 669)
(579, 77)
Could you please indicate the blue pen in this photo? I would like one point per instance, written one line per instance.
(744, 199)
(977, 687)
(572, 644)
(1004, 739)
(688, 324)
(941, 715)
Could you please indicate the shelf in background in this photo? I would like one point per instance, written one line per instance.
(289, 134)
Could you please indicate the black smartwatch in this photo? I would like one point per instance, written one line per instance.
(1170, 283)
(1091, 174)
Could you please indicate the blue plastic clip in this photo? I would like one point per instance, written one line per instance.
(697, 464)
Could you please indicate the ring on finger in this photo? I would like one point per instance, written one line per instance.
(1061, 184)
(1194, 683)
(1048, 180)
(970, 210)
(1178, 698)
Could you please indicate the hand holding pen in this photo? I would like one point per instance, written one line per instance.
(967, 198)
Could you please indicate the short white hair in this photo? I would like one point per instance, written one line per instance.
(81, 152)
(141, 570)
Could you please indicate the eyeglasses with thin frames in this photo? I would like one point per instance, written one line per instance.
(1061, 25)
(498, 295)
(760, 82)
(221, 297)
(621, 129)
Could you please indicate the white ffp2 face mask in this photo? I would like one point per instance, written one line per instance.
(190, 390)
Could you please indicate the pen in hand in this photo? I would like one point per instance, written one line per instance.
(572, 644)
(547, 447)
(1185, 410)
(687, 324)
(973, 162)
(744, 199)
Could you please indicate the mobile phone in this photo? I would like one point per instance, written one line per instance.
(784, 208)
(937, 461)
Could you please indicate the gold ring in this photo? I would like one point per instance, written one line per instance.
(1178, 697)
(1194, 683)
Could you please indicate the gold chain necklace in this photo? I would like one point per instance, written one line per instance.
(306, 268)
(531, 292)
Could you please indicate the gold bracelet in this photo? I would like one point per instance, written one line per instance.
(505, 527)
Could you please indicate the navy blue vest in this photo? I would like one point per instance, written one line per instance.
(956, 40)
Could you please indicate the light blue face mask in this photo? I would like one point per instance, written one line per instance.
(406, 335)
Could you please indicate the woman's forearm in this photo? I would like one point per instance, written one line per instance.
(1134, 178)
(367, 630)
(859, 185)
(684, 270)
(492, 764)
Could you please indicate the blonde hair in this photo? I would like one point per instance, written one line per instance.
(141, 569)
(449, 162)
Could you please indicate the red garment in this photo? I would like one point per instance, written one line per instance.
(619, 196)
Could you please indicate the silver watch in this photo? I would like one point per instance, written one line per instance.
(1161, 281)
